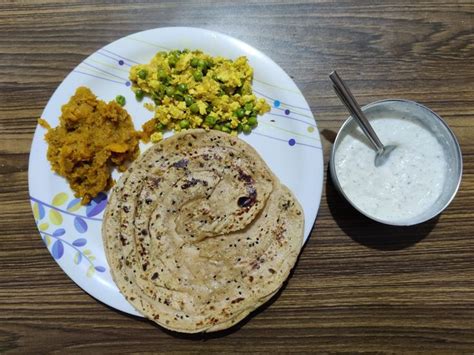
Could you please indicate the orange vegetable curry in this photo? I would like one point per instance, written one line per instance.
(93, 136)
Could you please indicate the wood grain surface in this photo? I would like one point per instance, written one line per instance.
(358, 286)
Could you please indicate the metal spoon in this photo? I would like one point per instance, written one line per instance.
(382, 152)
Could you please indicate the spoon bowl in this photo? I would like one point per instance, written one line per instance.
(382, 156)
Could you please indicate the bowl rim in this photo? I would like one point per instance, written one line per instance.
(395, 223)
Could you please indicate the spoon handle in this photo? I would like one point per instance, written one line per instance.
(350, 102)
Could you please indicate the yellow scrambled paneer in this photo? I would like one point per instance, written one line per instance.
(191, 89)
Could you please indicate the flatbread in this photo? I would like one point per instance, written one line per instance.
(199, 232)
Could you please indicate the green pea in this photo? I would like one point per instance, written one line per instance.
(162, 89)
(240, 113)
(189, 100)
(210, 121)
(228, 125)
(183, 88)
(246, 128)
(194, 108)
(248, 106)
(158, 95)
(170, 91)
(197, 75)
(225, 129)
(239, 127)
(162, 74)
(184, 124)
(202, 64)
(178, 96)
(194, 62)
(120, 100)
(166, 80)
(252, 121)
(156, 98)
(160, 127)
(139, 94)
(172, 60)
(218, 127)
(142, 74)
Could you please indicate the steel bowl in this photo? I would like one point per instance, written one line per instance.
(433, 123)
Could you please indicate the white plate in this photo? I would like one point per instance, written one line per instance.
(287, 138)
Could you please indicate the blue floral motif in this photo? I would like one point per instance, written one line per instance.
(95, 207)
(79, 242)
(80, 224)
(58, 249)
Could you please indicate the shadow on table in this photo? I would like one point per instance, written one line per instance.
(367, 232)
(329, 135)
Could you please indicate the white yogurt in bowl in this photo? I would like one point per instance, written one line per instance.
(420, 176)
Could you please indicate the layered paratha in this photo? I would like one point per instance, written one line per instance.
(199, 232)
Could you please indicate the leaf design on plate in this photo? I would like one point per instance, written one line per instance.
(38, 211)
(79, 242)
(59, 199)
(87, 252)
(77, 258)
(58, 249)
(101, 196)
(80, 224)
(97, 205)
(90, 271)
(74, 205)
(55, 217)
(59, 232)
(43, 226)
(100, 268)
(47, 240)
(92, 258)
(35, 211)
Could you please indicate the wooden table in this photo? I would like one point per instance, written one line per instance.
(358, 286)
